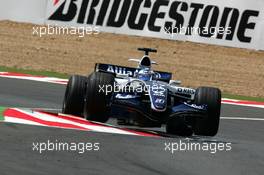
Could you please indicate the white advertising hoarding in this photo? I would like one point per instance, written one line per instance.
(235, 23)
(31, 11)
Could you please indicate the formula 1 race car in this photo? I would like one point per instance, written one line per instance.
(143, 97)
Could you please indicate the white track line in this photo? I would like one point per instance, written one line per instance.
(247, 105)
(242, 118)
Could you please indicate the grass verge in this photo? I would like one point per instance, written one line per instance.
(239, 97)
(33, 72)
(60, 75)
(2, 109)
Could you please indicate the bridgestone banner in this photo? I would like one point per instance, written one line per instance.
(236, 23)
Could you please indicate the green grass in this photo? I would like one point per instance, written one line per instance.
(2, 109)
(60, 75)
(33, 72)
(239, 97)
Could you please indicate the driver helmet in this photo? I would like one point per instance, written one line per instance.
(144, 74)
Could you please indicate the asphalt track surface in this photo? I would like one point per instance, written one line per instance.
(122, 154)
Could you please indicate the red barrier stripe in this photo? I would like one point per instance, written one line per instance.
(16, 114)
(55, 2)
(61, 81)
(142, 133)
(81, 121)
(20, 75)
(244, 102)
(74, 119)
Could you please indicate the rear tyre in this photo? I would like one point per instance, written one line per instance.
(97, 101)
(208, 126)
(74, 96)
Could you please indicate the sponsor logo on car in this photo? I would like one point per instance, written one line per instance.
(160, 101)
(201, 107)
(185, 90)
(119, 70)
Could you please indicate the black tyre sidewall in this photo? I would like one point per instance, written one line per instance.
(73, 102)
(177, 126)
(97, 102)
(208, 126)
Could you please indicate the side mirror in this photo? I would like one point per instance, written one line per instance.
(175, 82)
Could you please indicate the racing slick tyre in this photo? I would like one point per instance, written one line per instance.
(74, 96)
(97, 100)
(208, 126)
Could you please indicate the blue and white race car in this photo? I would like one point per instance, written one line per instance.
(143, 97)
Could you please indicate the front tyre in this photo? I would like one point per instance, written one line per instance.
(208, 126)
(74, 96)
(176, 125)
(97, 100)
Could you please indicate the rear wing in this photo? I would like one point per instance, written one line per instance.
(130, 71)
